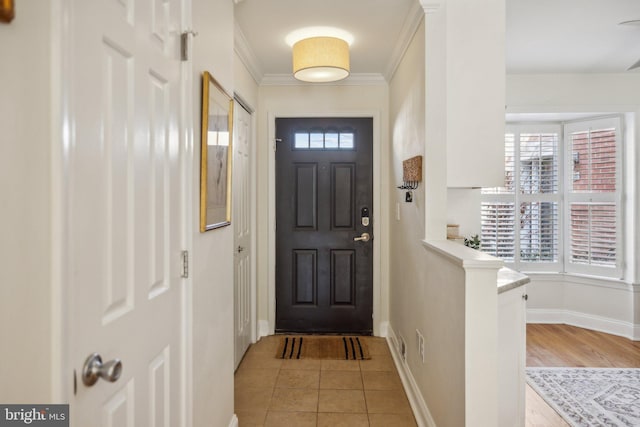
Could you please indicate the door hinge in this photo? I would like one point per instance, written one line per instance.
(184, 44)
(275, 144)
(185, 264)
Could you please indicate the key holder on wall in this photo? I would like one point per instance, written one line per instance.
(411, 176)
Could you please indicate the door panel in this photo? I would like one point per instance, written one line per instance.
(324, 178)
(306, 196)
(242, 228)
(124, 224)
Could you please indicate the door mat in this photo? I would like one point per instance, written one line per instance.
(590, 397)
(321, 347)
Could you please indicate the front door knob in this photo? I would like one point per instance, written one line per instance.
(364, 237)
(94, 369)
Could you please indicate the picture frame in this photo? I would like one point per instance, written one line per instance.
(7, 10)
(216, 155)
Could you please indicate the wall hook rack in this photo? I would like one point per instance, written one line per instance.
(409, 185)
(411, 176)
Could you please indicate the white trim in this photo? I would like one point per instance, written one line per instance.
(584, 320)
(188, 146)
(411, 24)
(245, 53)
(59, 85)
(234, 421)
(463, 256)
(384, 329)
(580, 279)
(264, 330)
(380, 193)
(416, 400)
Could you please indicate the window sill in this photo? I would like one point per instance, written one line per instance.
(581, 279)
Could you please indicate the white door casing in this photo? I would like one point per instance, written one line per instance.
(125, 214)
(242, 231)
(380, 270)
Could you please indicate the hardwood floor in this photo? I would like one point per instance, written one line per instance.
(564, 345)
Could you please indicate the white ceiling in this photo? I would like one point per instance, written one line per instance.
(543, 36)
(572, 36)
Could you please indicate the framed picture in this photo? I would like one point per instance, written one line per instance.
(7, 11)
(216, 155)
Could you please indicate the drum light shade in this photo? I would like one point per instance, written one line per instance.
(321, 59)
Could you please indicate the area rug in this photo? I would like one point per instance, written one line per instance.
(323, 347)
(590, 397)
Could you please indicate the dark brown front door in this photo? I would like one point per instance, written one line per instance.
(324, 199)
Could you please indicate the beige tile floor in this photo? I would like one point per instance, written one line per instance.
(273, 392)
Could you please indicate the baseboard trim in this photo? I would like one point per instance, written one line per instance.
(384, 329)
(234, 421)
(583, 320)
(263, 329)
(418, 405)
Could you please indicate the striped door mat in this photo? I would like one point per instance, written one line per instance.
(323, 347)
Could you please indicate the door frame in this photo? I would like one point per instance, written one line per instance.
(62, 121)
(379, 193)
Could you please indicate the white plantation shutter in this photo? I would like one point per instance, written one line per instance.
(520, 221)
(593, 234)
(539, 232)
(498, 229)
(498, 210)
(538, 163)
(593, 196)
(539, 196)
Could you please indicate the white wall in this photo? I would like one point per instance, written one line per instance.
(475, 63)
(244, 84)
(581, 299)
(212, 265)
(25, 217)
(316, 100)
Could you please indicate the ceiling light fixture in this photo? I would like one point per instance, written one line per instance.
(321, 59)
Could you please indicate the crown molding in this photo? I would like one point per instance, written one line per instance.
(429, 7)
(411, 23)
(361, 79)
(244, 51)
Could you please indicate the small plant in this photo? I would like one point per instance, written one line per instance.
(472, 241)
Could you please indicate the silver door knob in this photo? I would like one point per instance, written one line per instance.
(364, 237)
(94, 369)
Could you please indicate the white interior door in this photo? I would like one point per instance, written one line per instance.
(125, 211)
(242, 228)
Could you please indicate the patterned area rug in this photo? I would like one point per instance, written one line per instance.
(323, 347)
(590, 397)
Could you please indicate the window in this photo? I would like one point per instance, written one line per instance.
(319, 139)
(522, 222)
(593, 196)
